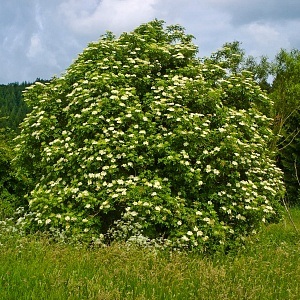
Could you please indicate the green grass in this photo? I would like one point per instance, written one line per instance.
(268, 268)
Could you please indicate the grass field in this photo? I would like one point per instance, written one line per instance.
(268, 268)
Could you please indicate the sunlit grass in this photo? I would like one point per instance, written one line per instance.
(268, 268)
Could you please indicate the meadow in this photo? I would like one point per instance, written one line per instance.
(268, 267)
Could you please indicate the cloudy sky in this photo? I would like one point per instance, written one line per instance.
(41, 38)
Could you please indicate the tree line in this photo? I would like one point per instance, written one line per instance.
(12, 107)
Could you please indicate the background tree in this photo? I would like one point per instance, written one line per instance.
(233, 58)
(286, 97)
(140, 140)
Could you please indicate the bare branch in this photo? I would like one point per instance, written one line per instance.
(279, 149)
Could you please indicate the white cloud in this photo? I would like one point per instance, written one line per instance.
(35, 46)
(41, 58)
(95, 17)
(38, 16)
(264, 38)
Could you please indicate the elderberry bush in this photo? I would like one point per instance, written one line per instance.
(140, 140)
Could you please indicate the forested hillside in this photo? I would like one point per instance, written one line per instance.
(12, 107)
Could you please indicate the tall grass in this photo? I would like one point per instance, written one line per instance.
(267, 268)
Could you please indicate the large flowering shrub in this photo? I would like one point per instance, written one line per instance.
(139, 140)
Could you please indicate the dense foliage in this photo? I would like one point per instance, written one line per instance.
(12, 111)
(12, 187)
(140, 140)
(286, 96)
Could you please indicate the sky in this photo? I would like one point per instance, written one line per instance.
(41, 38)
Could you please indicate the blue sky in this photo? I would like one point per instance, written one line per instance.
(40, 38)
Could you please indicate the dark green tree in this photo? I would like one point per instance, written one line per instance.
(286, 97)
(12, 107)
